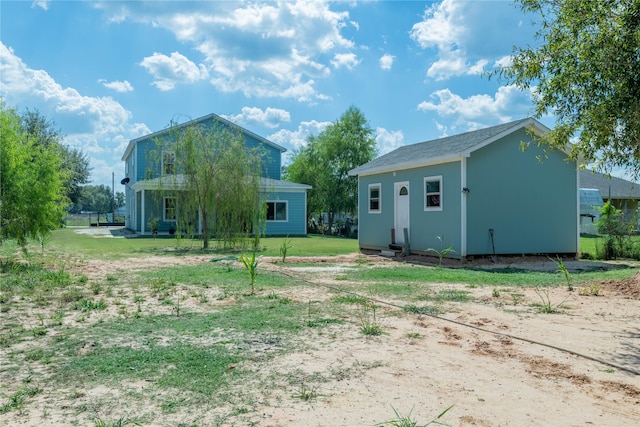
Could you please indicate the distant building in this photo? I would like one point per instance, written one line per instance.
(286, 202)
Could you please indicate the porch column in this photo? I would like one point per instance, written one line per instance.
(142, 215)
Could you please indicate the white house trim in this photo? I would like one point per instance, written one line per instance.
(463, 208)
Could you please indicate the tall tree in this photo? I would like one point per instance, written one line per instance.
(586, 71)
(327, 159)
(220, 180)
(98, 198)
(75, 164)
(31, 186)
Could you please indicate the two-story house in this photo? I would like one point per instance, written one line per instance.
(286, 202)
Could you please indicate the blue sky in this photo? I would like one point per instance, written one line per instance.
(107, 72)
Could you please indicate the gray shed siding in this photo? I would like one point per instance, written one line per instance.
(374, 230)
(531, 205)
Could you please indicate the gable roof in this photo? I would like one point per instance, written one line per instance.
(618, 188)
(211, 116)
(444, 149)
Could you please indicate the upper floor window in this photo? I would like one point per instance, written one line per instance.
(169, 209)
(168, 163)
(276, 211)
(375, 205)
(433, 193)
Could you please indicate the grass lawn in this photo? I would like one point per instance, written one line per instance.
(66, 242)
(173, 338)
(590, 243)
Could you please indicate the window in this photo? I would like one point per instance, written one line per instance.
(276, 211)
(433, 193)
(169, 210)
(374, 198)
(168, 163)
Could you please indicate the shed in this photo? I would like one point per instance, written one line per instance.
(624, 195)
(486, 192)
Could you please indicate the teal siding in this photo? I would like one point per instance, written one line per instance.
(374, 229)
(147, 166)
(531, 205)
(296, 214)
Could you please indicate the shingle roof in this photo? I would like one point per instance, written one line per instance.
(443, 149)
(618, 188)
(178, 181)
(211, 116)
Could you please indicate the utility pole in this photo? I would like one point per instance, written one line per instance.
(113, 197)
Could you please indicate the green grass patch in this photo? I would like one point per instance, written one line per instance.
(67, 242)
(401, 277)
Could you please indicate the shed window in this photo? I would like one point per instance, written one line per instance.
(374, 198)
(169, 209)
(276, 211)
(168, 163)
(433, 193)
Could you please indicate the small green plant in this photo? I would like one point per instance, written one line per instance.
(17, 400)
(516, 297)
(153, 225)
(284, 247)
(592, 290)
(251, 265)
(305, 393)
(443, 251)
(546, 306)
(408, 421)
(495, 293)
(120, 422)
(369, 322)
(429, 310)
(563, 269)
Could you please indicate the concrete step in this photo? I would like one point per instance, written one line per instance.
(389, 253)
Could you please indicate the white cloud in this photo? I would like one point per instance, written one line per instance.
(347, 60)
(386, 61)
(42, 4)
(467, 36)
(440, 27)
(118, 86)
(99, 126)
(294, 140)
(169, 71)
(505, 61)
(268, 49)
(271, 117)
(509, 103)
(387, 141)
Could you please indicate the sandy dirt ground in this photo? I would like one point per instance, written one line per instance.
(496, 361)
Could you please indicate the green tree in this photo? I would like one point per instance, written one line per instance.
(585, 70)
(305, 169)
(220, 181)
(326, 160)
(616, 230)
(75, 164)
(31, 185)
(96, 198)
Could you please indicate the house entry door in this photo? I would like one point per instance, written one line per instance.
(401, 198)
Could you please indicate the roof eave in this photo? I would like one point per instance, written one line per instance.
(406, 165)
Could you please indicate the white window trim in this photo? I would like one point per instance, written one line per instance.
(286, 204)
(424, 192)
(173, 154)
(164, 209)
(379, 210)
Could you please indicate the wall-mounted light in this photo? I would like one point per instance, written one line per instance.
(465, 190)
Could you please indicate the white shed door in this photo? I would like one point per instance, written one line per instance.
(401, 197)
